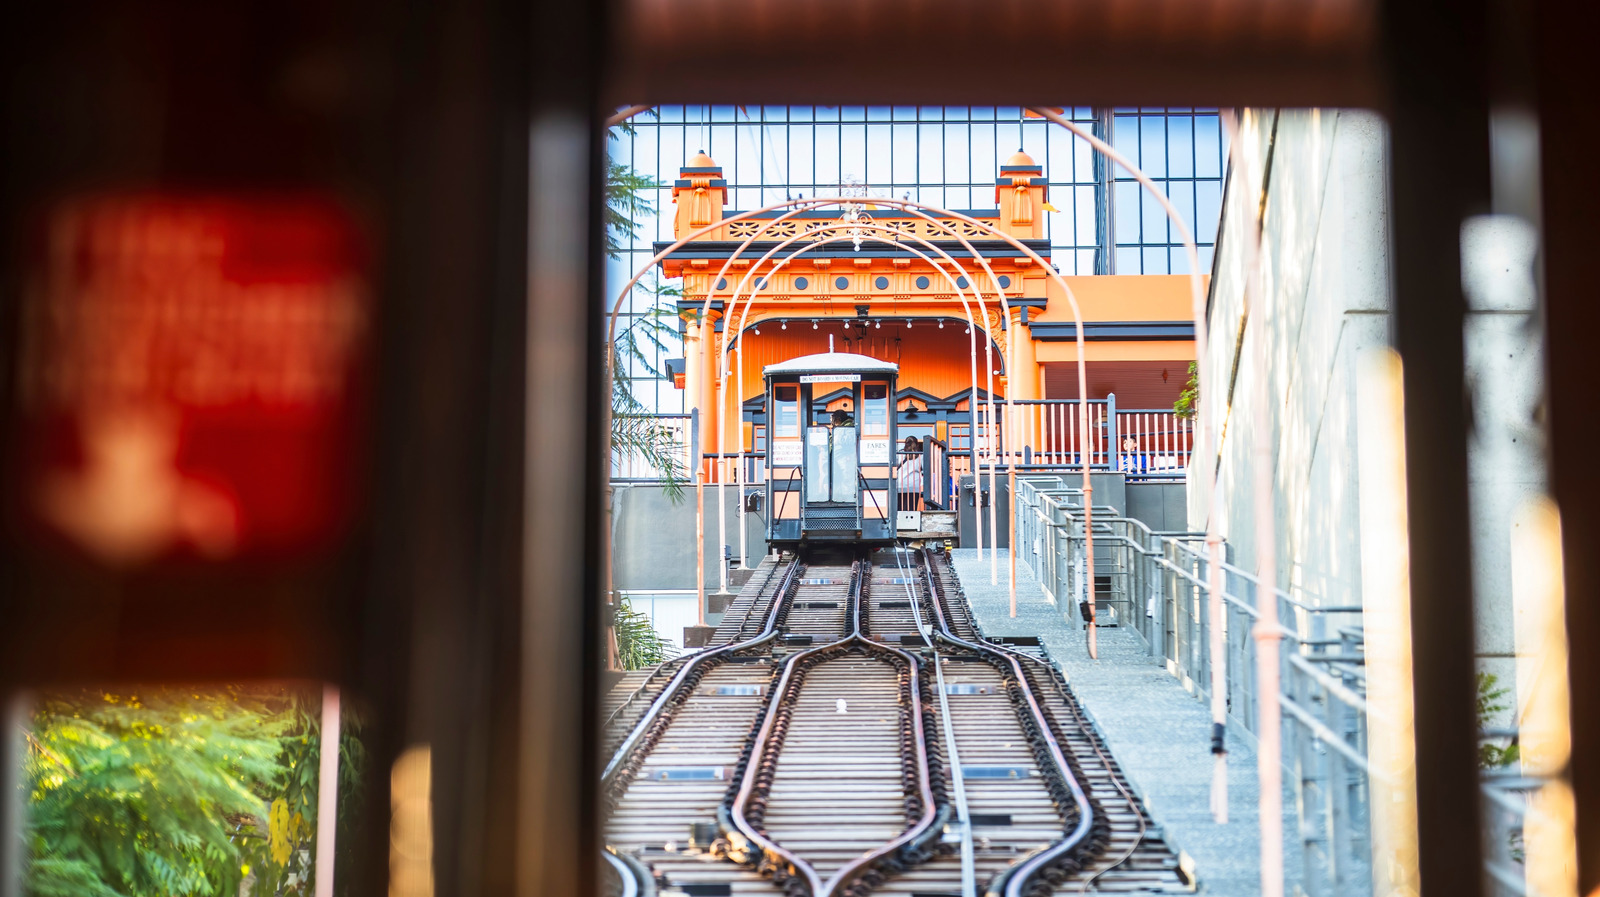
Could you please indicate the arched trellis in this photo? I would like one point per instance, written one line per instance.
(818, 240)
(854, 231)
(917, 209)
(852, 214)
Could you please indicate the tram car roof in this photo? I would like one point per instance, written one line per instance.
(832, 363)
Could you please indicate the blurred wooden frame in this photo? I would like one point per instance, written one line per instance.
(935, 52)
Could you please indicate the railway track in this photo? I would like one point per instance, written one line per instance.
(850, 732)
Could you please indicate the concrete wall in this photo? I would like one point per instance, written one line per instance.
(1505, 458)
(652, 536)
(1161, 506)
(1324, 299)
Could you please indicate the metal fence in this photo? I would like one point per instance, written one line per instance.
(1046, 434)
(1145, 443)
(1156, 586)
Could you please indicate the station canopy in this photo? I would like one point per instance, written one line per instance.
(832, 363)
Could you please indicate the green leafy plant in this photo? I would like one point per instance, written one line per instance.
(638, 643)
(636, 431)
(1189, 400)
(1490, 701)
(173, 791)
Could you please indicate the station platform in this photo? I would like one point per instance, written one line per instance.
(1158, 732)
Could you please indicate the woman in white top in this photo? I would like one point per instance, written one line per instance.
(909, 481)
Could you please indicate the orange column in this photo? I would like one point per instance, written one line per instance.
(1024, 381)
(707, 401)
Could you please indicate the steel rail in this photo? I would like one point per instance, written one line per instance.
(745, 620)
(622, 754)
(636, 878)
(1016, 879)
(633, 696)
(765, 745)
(969, 884)
(644, 686)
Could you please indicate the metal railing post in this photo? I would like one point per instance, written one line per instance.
(1113, 444)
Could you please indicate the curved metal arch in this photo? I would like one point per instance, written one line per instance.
(850, 205)
(916, 209)
(738, 332)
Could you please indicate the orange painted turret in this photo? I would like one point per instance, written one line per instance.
(703, 191)
(1021, 192)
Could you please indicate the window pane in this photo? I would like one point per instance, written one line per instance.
(1155, 260)
(853, 147)
(1127, 211)
(984, 167)
(1208, 207)
(1182, 195)
(1128, 261)
(1208, 146)
(879, 155)
(827, 155)
(1180, 147)
(1033, 142)
(1125, 140)
(801, 154)
(957, 158)
(1153, 146)
(930, 154)
(1155, 218)
(1084, 217)
(905, 155)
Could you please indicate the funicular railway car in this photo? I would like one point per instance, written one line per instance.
(831, 452)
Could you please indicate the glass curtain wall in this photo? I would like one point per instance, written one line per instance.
(943, 155)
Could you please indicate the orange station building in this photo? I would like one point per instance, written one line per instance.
(893, 299)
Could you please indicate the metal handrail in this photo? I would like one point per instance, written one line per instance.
(1159, 581)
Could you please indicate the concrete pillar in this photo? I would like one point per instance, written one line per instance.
(694, 368)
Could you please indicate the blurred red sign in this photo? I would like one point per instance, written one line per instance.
(190, 376)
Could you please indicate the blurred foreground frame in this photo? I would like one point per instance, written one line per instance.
(465, 139)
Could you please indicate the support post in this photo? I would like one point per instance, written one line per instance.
(1439, 142)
